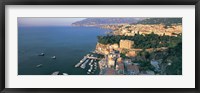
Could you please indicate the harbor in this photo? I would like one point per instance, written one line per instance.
(89, 63)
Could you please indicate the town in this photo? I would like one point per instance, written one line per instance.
(139, 49)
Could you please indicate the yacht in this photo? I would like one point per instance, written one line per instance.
(39, 65)
(88, 72)
(41, 54)
(53, 57)
(55, 73)
(91, 62)
(65, 74)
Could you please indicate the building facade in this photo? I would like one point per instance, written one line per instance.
(126, 44)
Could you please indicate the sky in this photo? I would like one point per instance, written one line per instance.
(30, 21)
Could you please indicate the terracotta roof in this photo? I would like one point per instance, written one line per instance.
(121, 66)
(110, 71)
(132, 68)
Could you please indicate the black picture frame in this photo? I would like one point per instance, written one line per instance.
(3, 3)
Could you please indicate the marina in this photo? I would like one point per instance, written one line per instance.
(85, 60)
(90, 60)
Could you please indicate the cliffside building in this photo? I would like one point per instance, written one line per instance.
(126, 44)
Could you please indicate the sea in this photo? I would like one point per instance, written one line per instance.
(68, 43)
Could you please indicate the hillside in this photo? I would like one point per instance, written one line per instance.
(165, 21)
(103, 21)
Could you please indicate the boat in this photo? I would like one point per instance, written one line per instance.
(91, 68)
(65, 74)
(87, 55)
(53, 57)
(41, 54)
(88, 72)
(55, 73)
(39, 65)
(91, 62)
(95, 67)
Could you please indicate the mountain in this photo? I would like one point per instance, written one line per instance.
(104, 21)
(165, 21)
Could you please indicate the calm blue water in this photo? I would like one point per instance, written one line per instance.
(68, 44)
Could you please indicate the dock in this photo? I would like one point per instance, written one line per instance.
(92, 58)
(81, 61)
(87, 57)
(84, 64)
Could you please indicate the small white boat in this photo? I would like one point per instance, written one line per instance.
(88, 73)
(39, 65)
(55, 73)
(41, 54)
(95, 68)
(87, 55)
(53, 57)
(91, 62)
(65, 74)
(89, 70)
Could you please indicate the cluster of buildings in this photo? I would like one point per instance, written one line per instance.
(123, 44)
(131, 30)
(113, 64)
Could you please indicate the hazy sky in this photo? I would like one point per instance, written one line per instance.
(26, 21)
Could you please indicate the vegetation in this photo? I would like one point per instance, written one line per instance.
(143, 41)
(123, 55)
(145, 65)
(174, 55)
